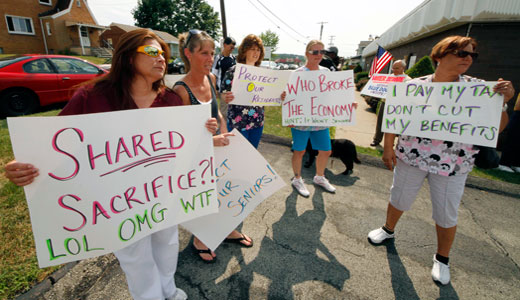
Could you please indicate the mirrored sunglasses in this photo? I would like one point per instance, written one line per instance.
(463, 54)
(150, 50)
(316, 52)
(191, 33)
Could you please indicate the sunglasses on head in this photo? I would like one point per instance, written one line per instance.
(191, 33)
(150, 50)
(316, 52)
(463, 54)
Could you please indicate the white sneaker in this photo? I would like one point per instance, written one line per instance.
(179, 295)
(324, 183)
(377, 236)
(505, 169)
(440, 272)
(516, 169)
(298, 184)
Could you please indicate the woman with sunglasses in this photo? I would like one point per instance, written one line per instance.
(319, 136)
(135, 81)
(198, 88)
(410, 160)
(249, 120)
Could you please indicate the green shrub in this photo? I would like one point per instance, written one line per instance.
(67, 51)
(360, 75)
(358, 69)
(423, 67)
(361, 83)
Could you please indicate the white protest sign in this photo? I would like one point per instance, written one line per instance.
(109, 179)
(378, 84)
(256, 86)
(319, 98)
(467, 112)
(244, 180)
(170, 80)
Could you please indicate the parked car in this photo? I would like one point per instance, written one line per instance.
(269, 65)
(176, 66)
(31, 80)
(107, 64)
(293, 66)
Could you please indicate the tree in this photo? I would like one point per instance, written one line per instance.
(270, 39)
(177, 16)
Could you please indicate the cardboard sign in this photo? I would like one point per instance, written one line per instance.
(467, 112)
(244, 180)
(319, 98)
(109, 179)
(378, 84)
(254, 86)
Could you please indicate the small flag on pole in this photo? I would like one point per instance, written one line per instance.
(381, 59)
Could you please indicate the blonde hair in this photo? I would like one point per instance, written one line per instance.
(196, 41)
(312, 43)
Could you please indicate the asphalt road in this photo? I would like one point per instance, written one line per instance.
(317, 248)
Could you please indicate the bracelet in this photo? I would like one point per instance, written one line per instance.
(504, 108)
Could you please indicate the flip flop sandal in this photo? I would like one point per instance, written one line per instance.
(203, 251)
(239, 241)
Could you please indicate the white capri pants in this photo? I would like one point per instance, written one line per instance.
(445, 192)
(150, 264)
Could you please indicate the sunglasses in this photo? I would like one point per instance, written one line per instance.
(191, 33)
(150, 50)
(316, 52)
(463, 54)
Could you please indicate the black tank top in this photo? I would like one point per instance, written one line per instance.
(194, 101)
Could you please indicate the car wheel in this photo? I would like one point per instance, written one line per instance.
(181, 70)
(18, 102)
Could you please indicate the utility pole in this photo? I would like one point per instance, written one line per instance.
(321, 29)
(223, 17)
(331, 43)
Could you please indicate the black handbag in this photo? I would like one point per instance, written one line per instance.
(487, 158)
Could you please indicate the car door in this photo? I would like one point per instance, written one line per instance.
(71, 73)
(41, 78)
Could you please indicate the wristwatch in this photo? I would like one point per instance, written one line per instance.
(504, 108)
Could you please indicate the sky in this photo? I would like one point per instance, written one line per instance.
(345, 22)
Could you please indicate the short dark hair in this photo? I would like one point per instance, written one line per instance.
(229, 40)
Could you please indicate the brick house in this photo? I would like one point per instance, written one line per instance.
(48, 26)
(112, 35)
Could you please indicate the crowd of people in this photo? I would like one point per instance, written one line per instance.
(136, 80)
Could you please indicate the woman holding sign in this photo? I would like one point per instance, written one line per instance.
(198, 87)
(135, 81)
(412, 156)
(249, 120)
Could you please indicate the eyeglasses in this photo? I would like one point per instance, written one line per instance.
(191, 33)
(463, 54)
(150, 50)
(316, 52)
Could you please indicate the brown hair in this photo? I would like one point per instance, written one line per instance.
(248, 43)
(122, 71)
(196, 41)
(450, 44)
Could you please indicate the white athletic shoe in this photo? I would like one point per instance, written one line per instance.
(377, 236)
(298, 184)
(516, 169)
(505, 169)
(324, 183)
(440, 272)
(179, 295)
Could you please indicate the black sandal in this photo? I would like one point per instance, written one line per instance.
(239, 241)
(198, 252)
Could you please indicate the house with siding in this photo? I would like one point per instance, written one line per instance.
(48, 26)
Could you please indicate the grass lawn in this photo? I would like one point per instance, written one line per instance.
(18, 267)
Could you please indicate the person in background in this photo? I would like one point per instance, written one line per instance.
(510, 158)
(249, 120)
(398, 68)
(135, 81)
(198, 88)
(221, 64)
(331, 59)
(410, 160)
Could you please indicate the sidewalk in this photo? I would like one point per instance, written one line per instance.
(363, 132)
(316, 247)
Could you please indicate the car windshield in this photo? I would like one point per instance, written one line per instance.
(11, 60)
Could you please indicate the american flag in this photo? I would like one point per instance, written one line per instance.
(381, 59)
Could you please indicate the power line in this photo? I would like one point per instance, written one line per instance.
(281, 20)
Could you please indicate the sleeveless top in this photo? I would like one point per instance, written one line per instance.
(195, 101)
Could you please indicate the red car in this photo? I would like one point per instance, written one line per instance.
(32, 80)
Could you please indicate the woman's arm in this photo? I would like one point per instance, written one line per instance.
(388, 151)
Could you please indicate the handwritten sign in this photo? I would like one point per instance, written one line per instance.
(109, 179)
(256, 86)
(244, 180)
(460, 112)
(319, 98)
(378, 84)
